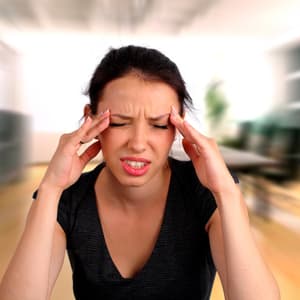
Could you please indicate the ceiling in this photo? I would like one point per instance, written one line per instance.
(267, 19)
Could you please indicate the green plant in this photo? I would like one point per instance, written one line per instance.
(216, 104)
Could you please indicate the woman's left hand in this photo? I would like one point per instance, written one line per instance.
(205, 155)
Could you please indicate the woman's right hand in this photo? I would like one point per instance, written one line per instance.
(66, 164)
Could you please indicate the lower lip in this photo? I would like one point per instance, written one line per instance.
(133, 171)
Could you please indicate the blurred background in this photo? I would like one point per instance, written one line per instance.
(241, 64)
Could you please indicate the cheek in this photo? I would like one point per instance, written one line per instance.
(108, 136)
(105, 139)
(171, 133)
(164, 138)
(108, 144)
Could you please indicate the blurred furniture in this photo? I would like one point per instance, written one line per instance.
(13, 134)
(13, 125)
(285, 61)
(268, 150)
(245, 161)
(275, 136)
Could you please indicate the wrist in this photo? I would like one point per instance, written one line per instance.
(46, 188)
(232, 203)
(227, 195)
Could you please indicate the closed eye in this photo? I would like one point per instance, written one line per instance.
(117, 124)
(161, 126)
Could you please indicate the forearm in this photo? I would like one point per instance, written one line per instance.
(248, 277)
(27, 275)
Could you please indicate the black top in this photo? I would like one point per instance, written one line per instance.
(180, 266)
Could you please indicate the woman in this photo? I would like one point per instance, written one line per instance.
(141, 225)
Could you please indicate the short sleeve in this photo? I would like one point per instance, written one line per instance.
(198, 199)
(64, 211)
(201, 199)
(206, 205)
(234, 176)
(206, 201)
(34, 195)
(71, 198)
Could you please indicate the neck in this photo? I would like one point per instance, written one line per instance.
(131, 197)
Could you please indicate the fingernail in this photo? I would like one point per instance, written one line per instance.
(103, 112)
(175, 114)
(173, 111)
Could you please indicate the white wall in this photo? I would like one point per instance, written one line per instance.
(55, 70)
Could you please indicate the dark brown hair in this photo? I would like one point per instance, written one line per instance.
(149, 63)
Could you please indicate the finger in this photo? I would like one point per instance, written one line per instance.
(190, 149)
(86, 133)
(90, 153)
(177, 120)
(194, 136)
(96, 130)
(100, 116)
(77, 136)
(180, 124)
(187, 130)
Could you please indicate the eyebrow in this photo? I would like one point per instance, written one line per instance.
(126, 117)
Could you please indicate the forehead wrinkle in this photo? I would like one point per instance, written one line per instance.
(131, 97)
(153, 119)
(121, 116)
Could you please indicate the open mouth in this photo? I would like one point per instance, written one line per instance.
(135, 164)
(135, 167)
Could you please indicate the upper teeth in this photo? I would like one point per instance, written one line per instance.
(135, 164)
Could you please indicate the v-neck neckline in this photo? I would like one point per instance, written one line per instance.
(157, 243)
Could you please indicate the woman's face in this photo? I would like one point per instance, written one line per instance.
(136, 144)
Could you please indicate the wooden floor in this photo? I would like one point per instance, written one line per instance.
(279, 244)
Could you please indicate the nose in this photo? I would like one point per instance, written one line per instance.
(138, 139)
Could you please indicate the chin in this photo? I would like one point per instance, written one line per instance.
(133, 182)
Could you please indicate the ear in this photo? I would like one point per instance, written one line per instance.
(87, 110)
